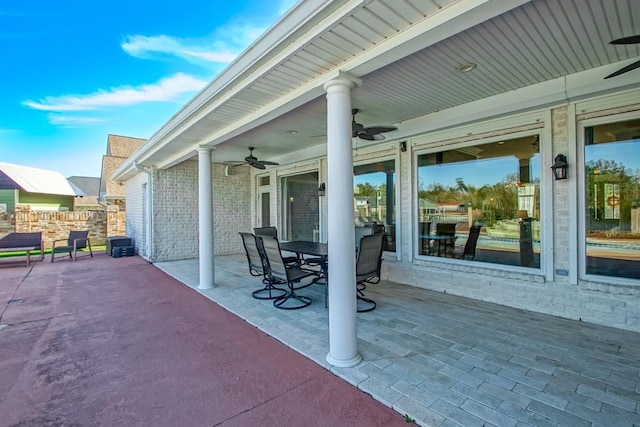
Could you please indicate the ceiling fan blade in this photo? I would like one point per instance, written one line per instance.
(257, 165)
(626, 40)
(367, 136)
(264, 162)
(624, 69)
(372, 130)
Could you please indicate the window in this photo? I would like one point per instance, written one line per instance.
(495, 186)
(374, 198)
(300, 207)
(612, 199)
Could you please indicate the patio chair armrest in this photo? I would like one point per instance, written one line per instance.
(58, 241)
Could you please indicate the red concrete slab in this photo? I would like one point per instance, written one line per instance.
(109, 341)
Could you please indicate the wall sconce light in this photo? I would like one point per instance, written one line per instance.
(321, 190)
(560, 167)
(403, 146)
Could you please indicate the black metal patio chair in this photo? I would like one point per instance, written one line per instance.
(469, 250)
(368, 266)
(258, 267)
(273, 232)
(289, 274)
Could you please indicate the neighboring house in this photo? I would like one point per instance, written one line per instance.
(487, 94)
(119, 148)
(90, 186)
(38, 188)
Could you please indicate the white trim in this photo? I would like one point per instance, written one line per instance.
(547, 261)
(475, 131)
(572, 151)
(603, 103)
(396, 159)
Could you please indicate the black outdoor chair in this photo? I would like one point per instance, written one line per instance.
(257, 267)
(273, 232)
(368, 266)
(425, 230)
(469, 251)
(445, 229)
(77, 241)
(277, 270)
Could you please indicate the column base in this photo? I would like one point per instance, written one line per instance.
(348, 363)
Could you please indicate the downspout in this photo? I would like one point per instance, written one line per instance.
(149, 214)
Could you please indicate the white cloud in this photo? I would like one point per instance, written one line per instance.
(72, 121)
(192, 51)
(167, 89)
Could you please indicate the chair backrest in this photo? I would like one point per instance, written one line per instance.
(472, 240)
(266, 231)
(252, 250)
(274, 262)
(446, 228)
(360, 232)
(81, 236)
(16, 240)
(377, 229)
(369, 257)
(425, 228)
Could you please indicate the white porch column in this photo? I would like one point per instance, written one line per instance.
(343, 349)
(205, 218)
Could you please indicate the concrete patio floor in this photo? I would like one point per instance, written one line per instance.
(106, 342)
(449, 361)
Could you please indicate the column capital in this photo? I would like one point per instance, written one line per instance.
(204, 149)
(343, 80)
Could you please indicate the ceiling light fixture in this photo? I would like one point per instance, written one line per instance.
(292, 131)
(465, 68)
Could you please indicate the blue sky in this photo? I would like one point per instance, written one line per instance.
(75, 71)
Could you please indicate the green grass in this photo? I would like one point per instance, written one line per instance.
(46, 251)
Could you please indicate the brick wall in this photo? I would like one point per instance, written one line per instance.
(175, 192)
(56, 225)
(175, 213)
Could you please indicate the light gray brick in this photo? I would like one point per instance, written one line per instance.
(489, 414)
(562, 417)
(540, 396)
(476, 394)
(522, 379)
(525, 416)
(456, 414)
(605, 397)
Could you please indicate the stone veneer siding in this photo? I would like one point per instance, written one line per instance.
(56, 225)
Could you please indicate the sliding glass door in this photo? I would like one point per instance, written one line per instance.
(300, 207)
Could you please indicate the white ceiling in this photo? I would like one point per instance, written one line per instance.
(536, 42)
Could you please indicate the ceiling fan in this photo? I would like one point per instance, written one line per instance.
(370, 133)
(253, 161)
(625, 40)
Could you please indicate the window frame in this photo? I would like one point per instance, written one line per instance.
(581, 196)
(546, 201)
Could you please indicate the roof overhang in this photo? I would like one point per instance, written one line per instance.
(277, 83)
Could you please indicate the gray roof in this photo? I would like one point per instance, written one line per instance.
(34, 180)
(89, 185)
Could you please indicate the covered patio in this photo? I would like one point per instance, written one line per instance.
(448, 360)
